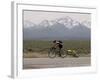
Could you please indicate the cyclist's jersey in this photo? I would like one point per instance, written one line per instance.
(59, 45)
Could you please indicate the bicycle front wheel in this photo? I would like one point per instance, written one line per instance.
(52, 53)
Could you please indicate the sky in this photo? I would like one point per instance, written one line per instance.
(38, 16)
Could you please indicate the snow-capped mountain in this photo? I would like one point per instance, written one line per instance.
(86, 23)
(28, 24)
(67, 21)
(44, 23)
(62, 28)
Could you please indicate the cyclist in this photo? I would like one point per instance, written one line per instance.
(57, 44)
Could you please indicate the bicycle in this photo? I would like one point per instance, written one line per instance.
(53, 52)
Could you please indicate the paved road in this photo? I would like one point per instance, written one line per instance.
(36, 63)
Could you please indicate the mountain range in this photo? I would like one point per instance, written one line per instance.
(59, 29)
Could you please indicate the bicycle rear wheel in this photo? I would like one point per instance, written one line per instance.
(63, 53)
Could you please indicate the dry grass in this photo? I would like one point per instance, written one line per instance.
(34, 55)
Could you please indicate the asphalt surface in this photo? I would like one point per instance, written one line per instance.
(38, 63)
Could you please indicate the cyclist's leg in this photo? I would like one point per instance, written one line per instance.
(60, 52)
(60, 49)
